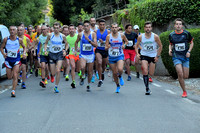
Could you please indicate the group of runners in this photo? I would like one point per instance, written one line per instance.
(87, 49)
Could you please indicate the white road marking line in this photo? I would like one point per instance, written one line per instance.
(189, 101)
(157, 85)
(171, 92)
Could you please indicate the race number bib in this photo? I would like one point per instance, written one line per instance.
(57, 48)
(87, 47)
(101, 44)
(180, 47)
(130, 43)
(63, 45)
(114, 52)
(12, 54)
(149, 47)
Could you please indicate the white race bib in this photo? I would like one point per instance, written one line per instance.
(114, 52)
(130, 43)
(101, 44)
(12, 54)
(180, 47)
(63, 45)
(87, 47)
(57, 48)
(149, 47)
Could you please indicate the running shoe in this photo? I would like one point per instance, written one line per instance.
(148, 91)
(82, 81)
(46, 82)
(48, 77)
(23, 86)
(93, 79)
(31, 71)
(42, 83)
(138, 75)
(121, 81)
(150, 79)
(61, 70)
(13, 93)
(88, 88)
(67, 77)
(97, 75)
(102, 76)
(19, 81)
(36, 73)
(129, 78)
(56, 90)
(184, 94)
(118, 89)
(52, 79)
(73, 85)
(100, 83)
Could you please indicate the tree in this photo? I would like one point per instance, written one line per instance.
(12, 12)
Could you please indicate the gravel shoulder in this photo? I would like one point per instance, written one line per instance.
(192, 84)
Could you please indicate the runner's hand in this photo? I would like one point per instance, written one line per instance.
(100, 40)
(46, 53)
(24, 56)
(39, 54)
(5, 55)
(64, 53)
(156, 59)
(170, 53)
(138, 56)
(187, 54)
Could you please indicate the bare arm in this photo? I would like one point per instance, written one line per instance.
(190, 49)
(94, 43)
(138, 44)
(66, 44)
(125, 41)
(107, 42)
(24, 48)
(77, 40)
(3, 46)
(46, 42)
(170, 49)
(157, 40)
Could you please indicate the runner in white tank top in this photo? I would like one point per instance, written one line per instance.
(150, 52)
(56, 53)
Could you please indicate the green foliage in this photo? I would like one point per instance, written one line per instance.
(161, 12)
(67, 10)
(84, 15)
(12, 12)
(195, 54)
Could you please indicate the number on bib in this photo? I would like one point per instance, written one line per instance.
(12, 54)
(114, 52)
(21, 50)
(87, 47)
(180, 47)
(148, 47)
(101, 44)
(56, 48)
(130, 43)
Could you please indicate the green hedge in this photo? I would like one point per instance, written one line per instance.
(194, 58)
(161, 12)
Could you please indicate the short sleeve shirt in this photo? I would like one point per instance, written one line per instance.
(180, 43)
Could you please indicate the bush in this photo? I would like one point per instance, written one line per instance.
(194, 58)
(161, 12)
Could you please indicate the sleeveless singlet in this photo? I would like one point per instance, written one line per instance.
(116, 46)
(103, 36)
(12, 50)
(56, 43)
(149, 46)
(85, 47)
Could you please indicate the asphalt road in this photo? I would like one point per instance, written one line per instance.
(39, 110)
